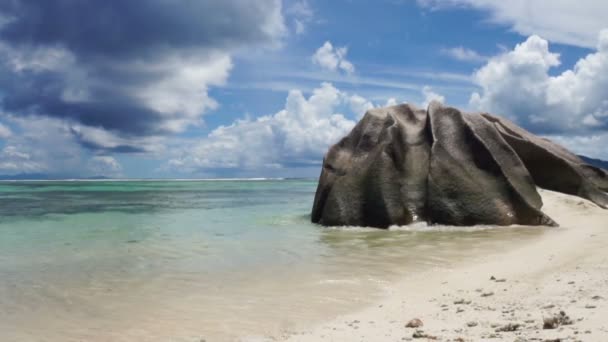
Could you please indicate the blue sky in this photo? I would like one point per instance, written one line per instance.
(183, 89)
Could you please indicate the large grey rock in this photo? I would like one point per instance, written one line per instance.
(401, 164)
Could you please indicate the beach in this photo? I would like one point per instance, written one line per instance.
(504, 296)
(240, 261)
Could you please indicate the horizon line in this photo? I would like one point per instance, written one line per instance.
(157, 179)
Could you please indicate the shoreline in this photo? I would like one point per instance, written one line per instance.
(499, 297)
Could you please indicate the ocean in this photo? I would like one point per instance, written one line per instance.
(192, 260)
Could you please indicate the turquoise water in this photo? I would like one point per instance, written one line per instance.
(185, 260)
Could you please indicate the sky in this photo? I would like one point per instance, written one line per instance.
(232, 88)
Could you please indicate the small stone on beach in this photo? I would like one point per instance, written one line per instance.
(498, 280)
(414, 323)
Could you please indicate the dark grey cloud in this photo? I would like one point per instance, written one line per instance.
(99, 148)
(119, 28)
(41, 94)
(132, 68)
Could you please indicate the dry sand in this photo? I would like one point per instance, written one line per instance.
(566, 270)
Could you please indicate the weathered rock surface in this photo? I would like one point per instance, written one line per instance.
(401, 164)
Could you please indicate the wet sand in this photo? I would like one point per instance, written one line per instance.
(552, 289)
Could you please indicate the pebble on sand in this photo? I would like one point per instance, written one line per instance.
(414, 323)
(498, 280)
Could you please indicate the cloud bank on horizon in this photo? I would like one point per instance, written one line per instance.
(229, 88)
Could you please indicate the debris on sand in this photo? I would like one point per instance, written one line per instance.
(509, 327)
(556, 321)
(422, 334)
(498, 280)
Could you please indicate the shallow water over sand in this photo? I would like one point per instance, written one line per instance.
(182, 261)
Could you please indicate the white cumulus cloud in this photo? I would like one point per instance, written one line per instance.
(333, 58)
(296, 136)
(518, 84)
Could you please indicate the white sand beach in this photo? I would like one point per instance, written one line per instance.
(499, 297)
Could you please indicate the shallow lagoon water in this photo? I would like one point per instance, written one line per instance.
(186, 260)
